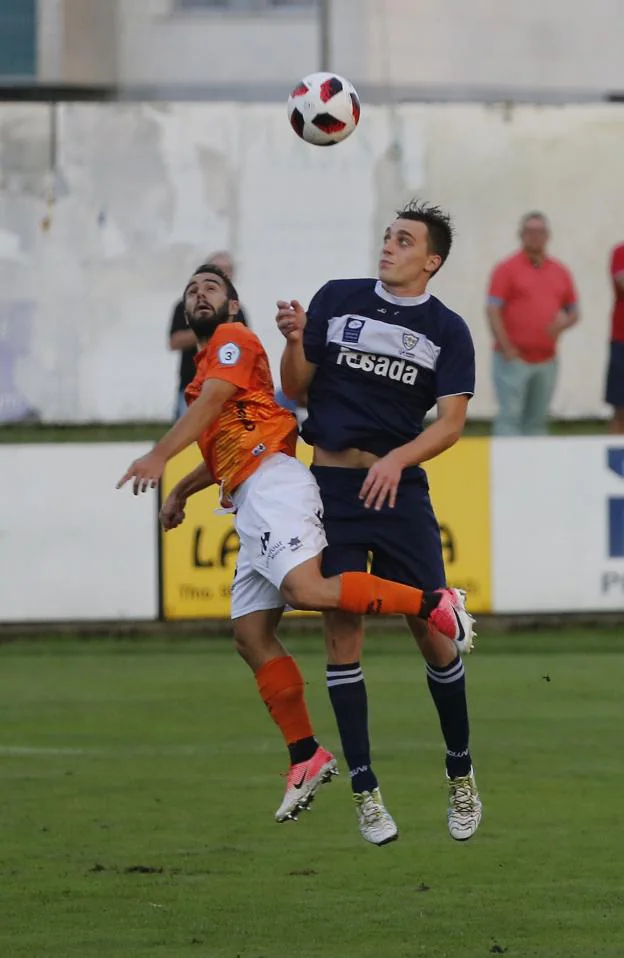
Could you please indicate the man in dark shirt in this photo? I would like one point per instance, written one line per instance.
(373, 356)
(182, 338)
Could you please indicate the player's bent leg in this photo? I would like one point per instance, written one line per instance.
(303, 587)
(281, 687)
(255, 639)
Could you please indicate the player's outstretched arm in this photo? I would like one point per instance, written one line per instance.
(147, 471)
(296, 373)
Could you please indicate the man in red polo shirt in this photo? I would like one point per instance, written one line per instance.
(532, 300)
(615, 374)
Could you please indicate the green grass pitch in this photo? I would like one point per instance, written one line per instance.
(139, 780)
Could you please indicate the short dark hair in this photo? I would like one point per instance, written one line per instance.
(439, 226)
(230, 289)
(534, 215)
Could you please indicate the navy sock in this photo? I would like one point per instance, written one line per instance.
(448, 691)
(347, 693)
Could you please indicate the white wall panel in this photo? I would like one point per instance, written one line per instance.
(558, 525)
(71, 546)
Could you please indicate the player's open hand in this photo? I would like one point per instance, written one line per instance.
(146, 473)
(171, 514)
(291, 319)
(381, 483)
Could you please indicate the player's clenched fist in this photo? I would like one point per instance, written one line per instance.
(171, 514)
(291, 319)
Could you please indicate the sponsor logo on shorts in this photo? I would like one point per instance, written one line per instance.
(295, 543)
(275, 550)
(270, 552)
(398, 370)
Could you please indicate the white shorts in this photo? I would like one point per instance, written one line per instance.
(279, 519)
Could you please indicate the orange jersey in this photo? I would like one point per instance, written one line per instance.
(252, 425)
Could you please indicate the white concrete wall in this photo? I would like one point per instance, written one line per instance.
(144, 192)
(75, 550)
(159, 46)
(559, 44)
(454, 47)
(554, 44)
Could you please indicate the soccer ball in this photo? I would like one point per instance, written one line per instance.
(323, 109)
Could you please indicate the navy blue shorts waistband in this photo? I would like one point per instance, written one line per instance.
(411, 474)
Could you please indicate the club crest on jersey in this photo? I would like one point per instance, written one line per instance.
(352, 330)
(409, 341)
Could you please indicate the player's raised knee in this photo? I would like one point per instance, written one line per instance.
(305, 589)
(299, 595)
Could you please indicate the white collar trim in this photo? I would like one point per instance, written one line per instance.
(383, 293)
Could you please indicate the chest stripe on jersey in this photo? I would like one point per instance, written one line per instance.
(366, 335)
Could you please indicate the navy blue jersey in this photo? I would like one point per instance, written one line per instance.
(383, 362)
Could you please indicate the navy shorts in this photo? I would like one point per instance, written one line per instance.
(615, 376)
(404, 542)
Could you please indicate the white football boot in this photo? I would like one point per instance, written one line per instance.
(465, 809)
(377, 825)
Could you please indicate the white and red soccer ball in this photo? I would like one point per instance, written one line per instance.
(324, 109)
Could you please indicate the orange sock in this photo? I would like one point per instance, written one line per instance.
(363, 593)
(280, 684)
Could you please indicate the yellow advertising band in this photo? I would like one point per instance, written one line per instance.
(198, 559)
